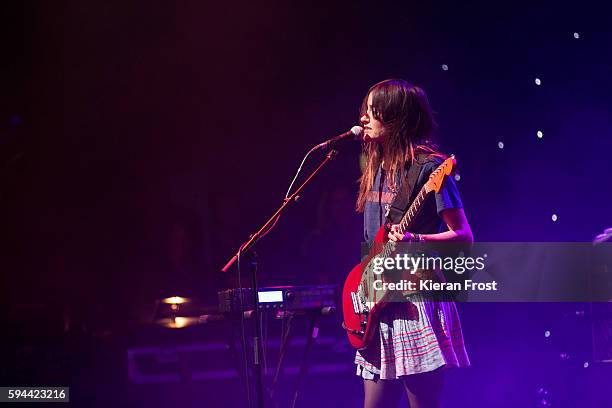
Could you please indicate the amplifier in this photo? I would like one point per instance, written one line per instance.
(293, 298)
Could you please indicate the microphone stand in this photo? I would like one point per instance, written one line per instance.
(245, 247)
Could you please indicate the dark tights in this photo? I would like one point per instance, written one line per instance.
(423, 390)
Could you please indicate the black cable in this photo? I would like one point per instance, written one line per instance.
(239, 255)
(264, 340)
(242, 331)
(283, 348)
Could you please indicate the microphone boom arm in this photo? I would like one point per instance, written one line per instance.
(272, 220)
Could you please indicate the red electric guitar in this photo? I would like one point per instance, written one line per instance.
(361, 302)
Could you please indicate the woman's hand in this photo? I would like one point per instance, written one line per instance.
(395, 235)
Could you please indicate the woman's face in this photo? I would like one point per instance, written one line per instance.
(372, 127)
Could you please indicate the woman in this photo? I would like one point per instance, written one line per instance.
(420, 338)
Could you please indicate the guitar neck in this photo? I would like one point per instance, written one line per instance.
(407, 219)
(414, 209)
(434, 183)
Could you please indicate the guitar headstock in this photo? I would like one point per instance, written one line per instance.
(437, 176)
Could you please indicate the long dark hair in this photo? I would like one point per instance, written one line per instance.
(408, 125)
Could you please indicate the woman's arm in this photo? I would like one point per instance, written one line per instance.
(459, 229)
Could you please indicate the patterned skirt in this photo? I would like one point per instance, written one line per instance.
(414, 337)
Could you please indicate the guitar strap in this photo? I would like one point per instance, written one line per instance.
(402, 200)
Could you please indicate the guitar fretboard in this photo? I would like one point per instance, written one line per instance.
(407, 219)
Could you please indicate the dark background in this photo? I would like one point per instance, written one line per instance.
(142, 142)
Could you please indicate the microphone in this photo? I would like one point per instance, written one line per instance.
(355, 132)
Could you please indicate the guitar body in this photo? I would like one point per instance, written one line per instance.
(361, 323)
(362, 304)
